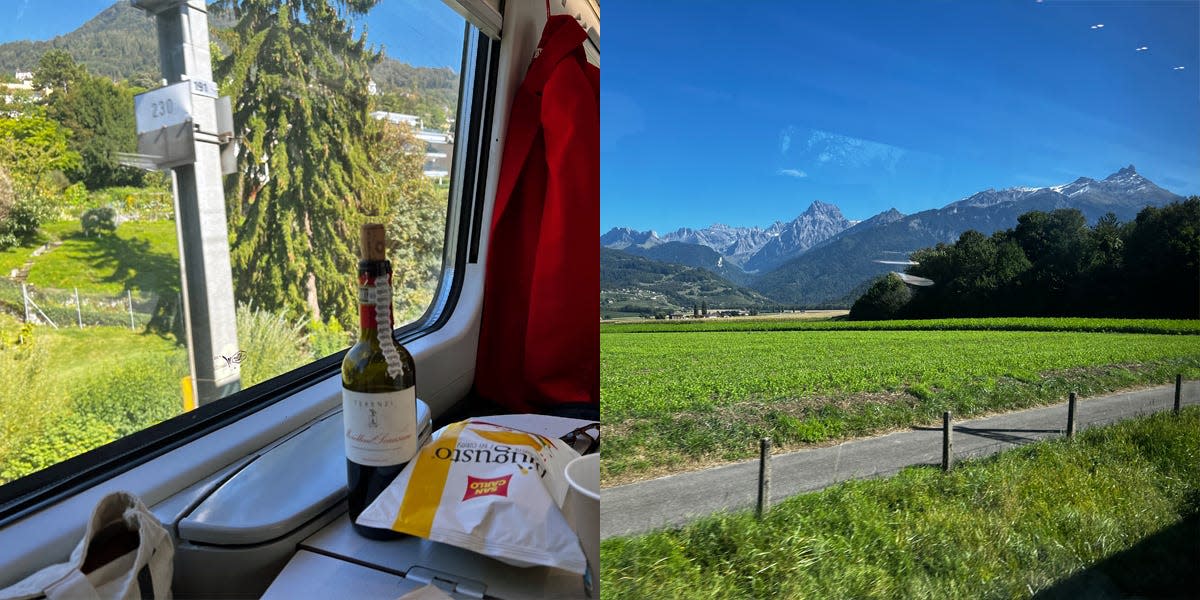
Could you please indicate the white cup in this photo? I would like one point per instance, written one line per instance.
(581, 507)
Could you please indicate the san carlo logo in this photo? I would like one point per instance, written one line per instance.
(477, 486)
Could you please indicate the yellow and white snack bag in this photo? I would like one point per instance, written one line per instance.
(487, 488)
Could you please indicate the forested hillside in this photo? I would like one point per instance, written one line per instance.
(120, 43)
(633, 284)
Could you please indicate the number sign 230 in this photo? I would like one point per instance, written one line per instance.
(164, 107)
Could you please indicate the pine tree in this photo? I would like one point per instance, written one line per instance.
(298, 78)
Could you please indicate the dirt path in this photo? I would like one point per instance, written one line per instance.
(21, 275)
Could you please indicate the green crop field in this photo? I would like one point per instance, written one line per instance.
(1093, 325)
(1113, 513)
(676, 400)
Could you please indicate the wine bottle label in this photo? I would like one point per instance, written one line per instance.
(381, 428)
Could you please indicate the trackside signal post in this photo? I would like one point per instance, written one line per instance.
(180, 127)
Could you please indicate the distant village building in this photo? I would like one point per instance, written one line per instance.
(411, 120)
(20, 92)
(439, 146)
(372, 89)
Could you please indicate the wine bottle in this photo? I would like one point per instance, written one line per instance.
(379, 408)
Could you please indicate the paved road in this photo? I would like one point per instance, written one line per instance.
(677, 499)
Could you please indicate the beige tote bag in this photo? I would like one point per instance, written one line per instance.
(124, 551)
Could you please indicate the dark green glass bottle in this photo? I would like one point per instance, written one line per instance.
(379, 409)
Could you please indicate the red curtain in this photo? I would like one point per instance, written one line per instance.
(539, 343)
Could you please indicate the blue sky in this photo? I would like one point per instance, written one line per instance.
(421, 32)
(745, 112)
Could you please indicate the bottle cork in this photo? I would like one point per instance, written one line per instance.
(374, 242)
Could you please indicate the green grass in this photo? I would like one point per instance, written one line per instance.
(142, 256)
(1113, 513)
(670, 400)
(15, 257)
(65, 391)
(1081, 324)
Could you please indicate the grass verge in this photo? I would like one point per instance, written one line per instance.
(1113, 513)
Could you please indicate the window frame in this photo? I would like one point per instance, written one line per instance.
(64, 480)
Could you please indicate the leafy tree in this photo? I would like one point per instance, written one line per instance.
(33, 152)
(33, 147)
(885, 299)
(298, 78)
(1052, 263)
(100, 115)
(57, 71)
(1162, 260)
(416, 216)
(1058, 246)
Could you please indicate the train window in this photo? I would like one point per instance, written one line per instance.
(158, 257)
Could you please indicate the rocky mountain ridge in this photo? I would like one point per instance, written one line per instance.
(820, 258)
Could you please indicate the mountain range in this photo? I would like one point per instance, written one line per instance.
(821, 259)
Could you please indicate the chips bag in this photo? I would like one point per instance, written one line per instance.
(487, 488)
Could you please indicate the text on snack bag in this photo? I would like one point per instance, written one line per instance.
(497, 455)
(477, 487)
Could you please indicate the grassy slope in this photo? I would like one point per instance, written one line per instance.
(143, 255)
(1111, 514)
(69, 390)
(671, 401)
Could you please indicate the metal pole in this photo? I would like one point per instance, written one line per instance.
(764, 477)
(78, 310)
(207, 279)
(129, 296)
(1071, 416)
(947, 443)
(1178, 391)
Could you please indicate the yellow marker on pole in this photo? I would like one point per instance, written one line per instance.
(189, 398)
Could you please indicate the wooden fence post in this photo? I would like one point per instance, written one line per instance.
(1178, 390)
(947, 443)
(1071, 416)
(764, 477)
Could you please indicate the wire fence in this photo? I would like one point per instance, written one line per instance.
(952, 441)
(61, 308)
(778, 474)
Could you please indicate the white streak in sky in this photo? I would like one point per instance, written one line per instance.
(846, 151)
(785, 140)
(797, 173)
(21, 11)
(1141, 49)
(1177, 69)
(1098, 26)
